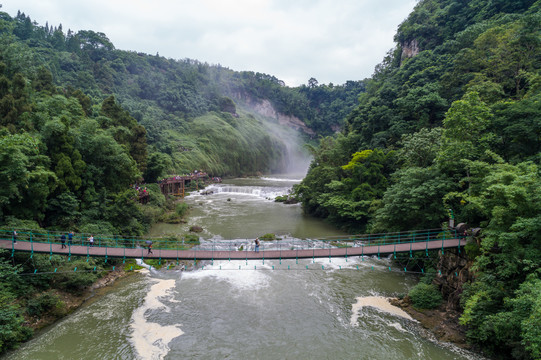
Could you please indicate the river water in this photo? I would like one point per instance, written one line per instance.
(306, 309)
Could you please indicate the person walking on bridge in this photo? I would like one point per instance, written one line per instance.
(256, 245)
(91, 240)
(150, 248)
(63, 241)
(70, 238)
(14, 236)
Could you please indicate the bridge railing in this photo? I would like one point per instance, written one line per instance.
(335, 241)
(100, 240)
(184, 243)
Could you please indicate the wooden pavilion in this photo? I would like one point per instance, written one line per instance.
(176, 185)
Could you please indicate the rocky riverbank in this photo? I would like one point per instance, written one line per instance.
(442, 323)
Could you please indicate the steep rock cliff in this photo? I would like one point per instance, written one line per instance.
(455, 272)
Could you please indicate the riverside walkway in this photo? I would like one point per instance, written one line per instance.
(243, 249)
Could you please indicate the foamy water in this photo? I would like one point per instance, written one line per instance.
(149, 339)
(278, 179)
(228, 271)
(378, 302)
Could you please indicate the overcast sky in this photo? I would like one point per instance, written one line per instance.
(294, 40)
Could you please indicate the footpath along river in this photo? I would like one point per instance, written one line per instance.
(247, 310)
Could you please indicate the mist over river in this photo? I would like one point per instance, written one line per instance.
(306, 309)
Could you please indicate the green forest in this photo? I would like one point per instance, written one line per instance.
(82, 123)
(85, 121)
(451, 119)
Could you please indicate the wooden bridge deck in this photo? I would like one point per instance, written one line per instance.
(368, 250)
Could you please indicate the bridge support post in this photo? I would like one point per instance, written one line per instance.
(395, 245)
(427, 239)
(329, 252)
(411, 243)
(442, 241)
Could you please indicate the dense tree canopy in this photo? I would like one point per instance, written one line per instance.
(458, 103)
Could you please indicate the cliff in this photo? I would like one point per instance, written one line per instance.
(455, 272)
(265, 108)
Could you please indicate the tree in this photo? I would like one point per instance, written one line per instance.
(135, 138)
(18, 168)
(158, 163)
(413, 201)
(420, 149)
(464, 135)
(312, 83)
(11, 328)
(508, 197)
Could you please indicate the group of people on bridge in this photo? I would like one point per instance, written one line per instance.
(63, 238)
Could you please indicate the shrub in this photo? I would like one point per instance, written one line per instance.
(181, 209)
(425, 296)
(192, 239)
(41, 304)
(472, 250)
(269, 237)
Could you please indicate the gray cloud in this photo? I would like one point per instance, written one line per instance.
(331, 40)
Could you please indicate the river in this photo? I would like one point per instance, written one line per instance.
(306, 309)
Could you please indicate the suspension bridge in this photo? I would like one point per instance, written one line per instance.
(46, 242)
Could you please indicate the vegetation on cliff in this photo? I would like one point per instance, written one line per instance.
(450, 120)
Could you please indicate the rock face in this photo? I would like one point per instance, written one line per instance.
(265, 108)
(455, 272)
(410, 49)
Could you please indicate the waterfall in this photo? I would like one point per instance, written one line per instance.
(259, 191)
